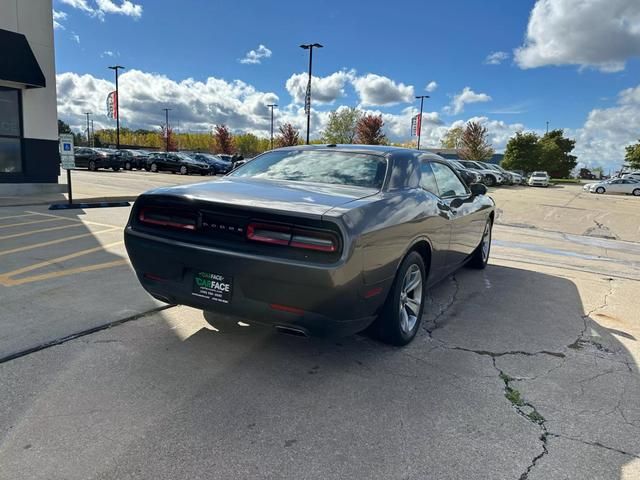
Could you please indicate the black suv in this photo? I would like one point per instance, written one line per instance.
(177, 162)
(95, 158)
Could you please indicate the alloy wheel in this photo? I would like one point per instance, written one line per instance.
(636, 192)
(486, 242)
(410, 299)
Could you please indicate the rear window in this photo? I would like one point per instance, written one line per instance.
(331, 167)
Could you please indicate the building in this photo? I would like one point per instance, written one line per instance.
(29, 155)
(452, 154)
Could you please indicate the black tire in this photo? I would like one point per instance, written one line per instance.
(388, 327)
(636, 192)
(490, 180)
(127, 166)
(480, 256)
(600, 190)
(184, 170)
(92, 165)
(154, 167)
(115, 169)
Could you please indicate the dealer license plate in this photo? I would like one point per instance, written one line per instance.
(213, 286)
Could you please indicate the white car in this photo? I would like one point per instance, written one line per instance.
(618, 185)
(539, 179)
(632, 175)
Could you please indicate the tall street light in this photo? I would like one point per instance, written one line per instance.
(421, 97)
(116, 68)
(271, 106)
(166, 127)
(307, 98)
(88, 129)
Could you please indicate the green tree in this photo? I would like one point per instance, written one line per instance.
(522, 152)
(249, 145)
(555, 154)
(63, 127)
(474, 144)
(341, 126)
(289, 136)
(369, 130)
(223, 140)
(632, 157)
(453, 138)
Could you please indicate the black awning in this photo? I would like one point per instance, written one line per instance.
(17, 62)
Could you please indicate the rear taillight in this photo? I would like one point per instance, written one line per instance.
(168, 218)
(292, 236)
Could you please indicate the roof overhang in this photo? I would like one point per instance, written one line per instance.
(18, 64)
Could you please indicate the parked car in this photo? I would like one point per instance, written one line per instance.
(632, 175)
(131, 159)
(513, 178)
(217, 164)
(96, 158)
(627, 186)
(489, 177)
(539, 179)
(314, 239)
(468, 175)
(177, 162)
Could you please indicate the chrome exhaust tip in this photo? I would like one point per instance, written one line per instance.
(296, 332)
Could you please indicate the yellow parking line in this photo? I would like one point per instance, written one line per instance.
(8, 282)
(18, 216)
(53, 242)
(88, 222)
(30, 223)
(51, 229)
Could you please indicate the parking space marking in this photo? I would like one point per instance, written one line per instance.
(45, 220)
(31, 232)
(8, 282)
(53, 242)
(87, 222)
(18, 216)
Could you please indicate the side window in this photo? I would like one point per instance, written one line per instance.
(449, 185)
(427, 179)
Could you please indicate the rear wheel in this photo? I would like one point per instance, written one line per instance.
(154, 167)
(183, 170)
(127, 166)
(92, 165)
(636, 192)
(480, 256)
(115, 169)
(600, 190)
(400, 318)
(490, 180)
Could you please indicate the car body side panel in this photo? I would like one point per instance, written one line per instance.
(467, 227)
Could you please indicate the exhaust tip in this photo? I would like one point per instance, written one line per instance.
(293, 331)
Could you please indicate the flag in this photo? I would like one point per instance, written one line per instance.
(307, 99)
(112, 105)
(416, 126)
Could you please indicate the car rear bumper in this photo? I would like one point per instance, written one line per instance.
(317, 300)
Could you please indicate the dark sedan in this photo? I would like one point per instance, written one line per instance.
(131, 159)
(314, 240)
(217, 164)
(96, 158)
(177, 162)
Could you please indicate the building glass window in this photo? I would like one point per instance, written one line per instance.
(10, 131)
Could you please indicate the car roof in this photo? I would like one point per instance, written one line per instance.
(355, 148)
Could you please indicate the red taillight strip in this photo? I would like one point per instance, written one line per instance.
(285, 308)
(274, 234)
(319, 241)
(292, 236)
(164, 223)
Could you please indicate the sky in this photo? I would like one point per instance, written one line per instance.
(512, 65)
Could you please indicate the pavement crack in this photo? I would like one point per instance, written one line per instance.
(510, 352)
(444, 309)
(593, 444)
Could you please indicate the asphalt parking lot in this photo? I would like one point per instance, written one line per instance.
(527, 370)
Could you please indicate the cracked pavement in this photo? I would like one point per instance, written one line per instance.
(527, 370)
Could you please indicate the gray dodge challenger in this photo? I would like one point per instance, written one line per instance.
(314, 240)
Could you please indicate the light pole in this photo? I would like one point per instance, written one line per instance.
(93, 135)
(116, 68)
(307, 98)
(166, 127)
(547, 126)
(88, 129)
(272, 106)
(421, 97)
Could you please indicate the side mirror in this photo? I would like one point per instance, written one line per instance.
(477, 189)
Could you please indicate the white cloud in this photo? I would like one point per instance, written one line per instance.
(378, 90)
(57, 18)
(256, 56)
(496, 58)
(104, 7)
(601, 34)
(107, 53)
(431, 86)
(464, 97)
(75, 37)
(323, 89)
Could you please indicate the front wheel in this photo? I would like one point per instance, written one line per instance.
(127, 166)
(154, 167)
(636, 192)
(92, 165)
(480, 256)
(399, 321)
(183, 170)
(491, 181)
(600, 190)
(116, 169)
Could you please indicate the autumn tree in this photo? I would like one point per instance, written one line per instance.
(341, 126)
(171, 145)
(289, 136)
(474, 144)
(453, 138)
(223, 140)
(369, 130)
(632, 157)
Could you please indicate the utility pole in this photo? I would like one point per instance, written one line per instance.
(547, 127)
(421, 97)
(116, 68)
(166, 127)
(88, 129)
(272, 107)
(93, 135)
(307, 98)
